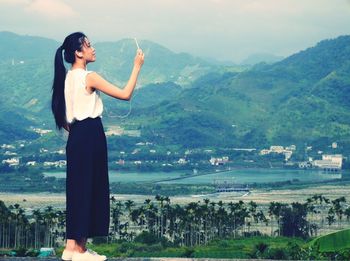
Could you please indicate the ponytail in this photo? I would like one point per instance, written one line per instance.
(71, 43)
(58, 103)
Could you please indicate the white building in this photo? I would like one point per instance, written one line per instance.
(41, 131)
(114, 130)
(9, 153)
(31, 163)
(60, 163)
(287, 154)
(264, 152)
(182, 161)
(7, 146)
(218, 161)
(291, 147)
(135, 151)
(330, 162)
(11, 162)
(277, 149)
(305, 165)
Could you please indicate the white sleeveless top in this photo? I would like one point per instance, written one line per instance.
(79, 103)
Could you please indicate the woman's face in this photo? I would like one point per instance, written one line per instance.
(88, 51)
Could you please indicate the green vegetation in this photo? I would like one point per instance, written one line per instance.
(250, 247)
(336, 241)
(183, 108)
(197, 229)
(193, 104)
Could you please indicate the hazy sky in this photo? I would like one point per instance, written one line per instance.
(222, 29)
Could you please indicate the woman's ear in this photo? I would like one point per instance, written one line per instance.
(79, 54)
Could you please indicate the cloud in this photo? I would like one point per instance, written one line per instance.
(52, 9)
(13, 1)
(225, 29)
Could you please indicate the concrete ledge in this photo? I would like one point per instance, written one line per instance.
(133, 259)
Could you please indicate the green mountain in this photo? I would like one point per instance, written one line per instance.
(115, 61)
(261, 58)
(302, 99)
(26, 66)
(14, 126)
(23, 47)
(186, 101)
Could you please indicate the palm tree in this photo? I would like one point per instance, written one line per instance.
(10, 217)
(128, 206)
(330, 218)
(179, 224)
(51, 221)
(4, 215)
(116, 210)
(312, 209)
(166, 209)
(275, 210)
(61, 223)
(20, 222)
(262, 218)
(150, 214)
(190, 222)
(205, 212)
(15, 210)
(322, 201)
(347, 214)
(160, 199)
(212, 224)
(338, 208)
(252, 208)
(221, 219)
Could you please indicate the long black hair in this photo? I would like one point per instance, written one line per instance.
(72, 43)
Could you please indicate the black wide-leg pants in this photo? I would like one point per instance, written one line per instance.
(87, 185)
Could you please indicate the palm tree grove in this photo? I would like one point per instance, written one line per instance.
(187, 229)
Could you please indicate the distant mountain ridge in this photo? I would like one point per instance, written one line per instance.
(115, 60)
(24, 47)
(305, 98)
(261, 58)
(26, 66)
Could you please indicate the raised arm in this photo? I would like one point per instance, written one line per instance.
(95, 81)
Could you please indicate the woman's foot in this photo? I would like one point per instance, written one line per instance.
(74, 246)
(88, 255)
(67, 255)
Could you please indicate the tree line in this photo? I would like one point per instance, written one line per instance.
(195, 223)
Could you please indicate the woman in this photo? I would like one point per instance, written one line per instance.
(77, 107)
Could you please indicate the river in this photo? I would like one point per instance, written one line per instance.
(241, 176)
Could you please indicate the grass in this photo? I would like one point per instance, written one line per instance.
(226, 248)
(333, 242)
